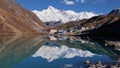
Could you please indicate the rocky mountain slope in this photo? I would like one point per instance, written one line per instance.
(102, 25)
(52, 14)
(108, 26)
(16, 19)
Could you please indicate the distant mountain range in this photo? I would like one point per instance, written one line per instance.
(53, 15)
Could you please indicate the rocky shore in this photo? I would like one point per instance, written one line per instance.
(99, 64)
(115, 44)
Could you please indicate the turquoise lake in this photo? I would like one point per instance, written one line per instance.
(53, 52)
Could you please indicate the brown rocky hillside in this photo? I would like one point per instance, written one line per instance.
(110, 25)
(16, 19)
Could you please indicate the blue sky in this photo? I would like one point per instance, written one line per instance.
(96, 6)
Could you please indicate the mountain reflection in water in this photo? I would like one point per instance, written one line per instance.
(43, 52)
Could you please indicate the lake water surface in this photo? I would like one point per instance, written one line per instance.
(52, 52)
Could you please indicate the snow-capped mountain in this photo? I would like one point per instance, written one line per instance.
(53, 52)
(52, 14)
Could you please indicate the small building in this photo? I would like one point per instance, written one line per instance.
(84, 28)
(52, 38)
(61, 31)
(53, 31)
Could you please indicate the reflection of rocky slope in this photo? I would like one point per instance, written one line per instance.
(86, 45)
(53, 50)
(15, 19)
(17, 48)
(4, 38)
(92, 47)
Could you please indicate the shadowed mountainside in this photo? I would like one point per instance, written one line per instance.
(110, 26)
(100, 26)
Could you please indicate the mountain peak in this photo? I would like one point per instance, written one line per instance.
(51, 7)
(115, 12)
(52, 14)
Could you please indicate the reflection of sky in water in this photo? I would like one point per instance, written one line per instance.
(60, 57)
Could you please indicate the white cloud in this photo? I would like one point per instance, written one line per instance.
(72, 2)
(69, 2)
